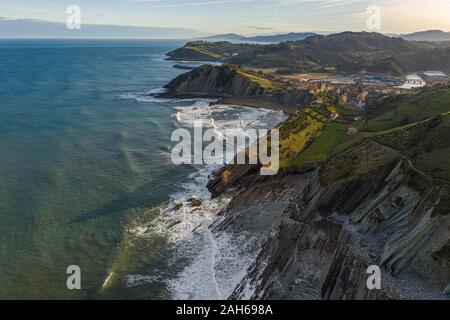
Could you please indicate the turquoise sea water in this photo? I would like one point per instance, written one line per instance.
(77, 162)
(85, 173)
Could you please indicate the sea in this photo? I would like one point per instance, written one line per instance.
(86, 177)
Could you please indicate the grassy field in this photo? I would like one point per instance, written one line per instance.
(311, 135)
(349, 112)
(206, 51)
(216, 51)
(297, 133)
(422, 143)
(265, 71)
(312, 76)
(262, 81)
(426, 143)
(408, 109)
(317, 137)
(325, 143)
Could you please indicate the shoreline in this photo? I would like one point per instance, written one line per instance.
(284, 215)
(268, 103)
(188, 219)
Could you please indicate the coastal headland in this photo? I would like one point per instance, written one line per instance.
(364, 177)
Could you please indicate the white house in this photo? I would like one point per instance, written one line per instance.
(413, 81)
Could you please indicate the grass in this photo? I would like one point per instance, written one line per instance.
(436, 162)
(445, 117)
(409, 109)
(265, 71)
(325, 143)
(426, 143)
(296, 134)
(261, 81)
(360, 157)
(206, 51)
(216, 51)
(315, 76)
(349, 112)
(311, 136)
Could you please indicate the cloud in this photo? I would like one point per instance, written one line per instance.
(187, 4)
(318, 3)
(259, 28)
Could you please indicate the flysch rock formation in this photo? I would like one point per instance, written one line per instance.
(320, 228)
(236, 86)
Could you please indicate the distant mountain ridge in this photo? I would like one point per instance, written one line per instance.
(347, 52)
(430, 35)
(225, 37)
(30, 28)
(292, 36)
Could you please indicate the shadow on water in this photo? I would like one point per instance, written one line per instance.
(150, 194)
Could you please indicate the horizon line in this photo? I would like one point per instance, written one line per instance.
(209, 34)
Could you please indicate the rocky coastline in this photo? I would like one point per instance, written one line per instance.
(318, 239)
(234, 86)
(320, 225)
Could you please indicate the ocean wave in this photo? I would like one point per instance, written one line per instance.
(137, 280)
(150, 96)
(218, 261)
(222, 116)
(146, 96)
(180, 217)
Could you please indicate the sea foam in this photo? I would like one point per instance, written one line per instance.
(218, 261)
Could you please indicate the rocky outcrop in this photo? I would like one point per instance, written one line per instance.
(295, 98)
(190, 54)
(238, 86)
(319, 229)
(229, 176)
(216, 81)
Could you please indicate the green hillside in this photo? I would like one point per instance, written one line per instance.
(343, 52)
(325, 143)
(206, 51)
(416, 125)
(395, 111)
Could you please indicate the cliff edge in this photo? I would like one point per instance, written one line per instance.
(238, 86)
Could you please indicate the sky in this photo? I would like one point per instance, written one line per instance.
(246, 17)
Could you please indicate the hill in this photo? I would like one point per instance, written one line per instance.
(414, 126)
(225, 37)
(208, 51)
(346, 52)
(293, 36)
(237, 86)
(430, 35)
(347, 201)
(223, 81)
(396, 111)
(277, 38)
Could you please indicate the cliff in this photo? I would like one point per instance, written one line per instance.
(191, 54)
(205, 51)
(238, 86)
(223, 81)
(342, 201)
(382, 199)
